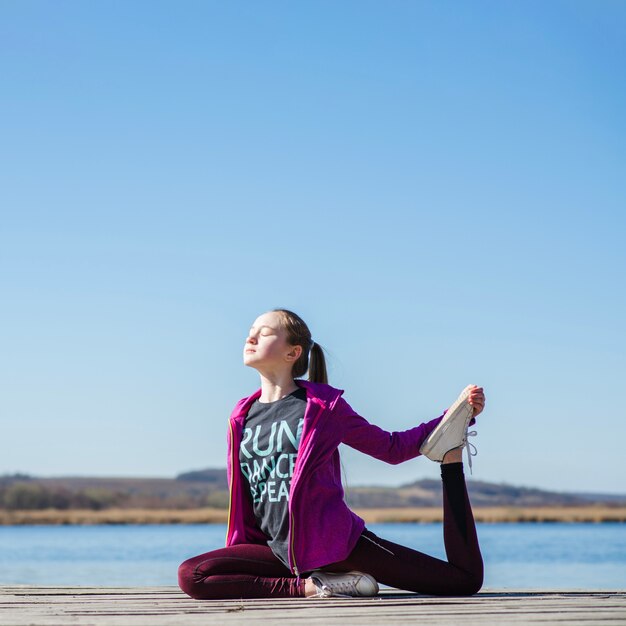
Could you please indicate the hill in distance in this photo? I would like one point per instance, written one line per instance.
(208, 487)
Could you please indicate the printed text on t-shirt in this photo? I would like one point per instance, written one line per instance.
(270, 469)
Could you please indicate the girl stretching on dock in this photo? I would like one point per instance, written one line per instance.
(290, 533)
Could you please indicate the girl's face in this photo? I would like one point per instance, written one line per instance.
(266, 346)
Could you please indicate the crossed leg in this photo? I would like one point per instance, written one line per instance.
(240, 571)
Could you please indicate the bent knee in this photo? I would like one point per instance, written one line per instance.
(471, 585)
(468, 585)
(186, 580)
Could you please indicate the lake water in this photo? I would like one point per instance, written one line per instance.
(521, 556)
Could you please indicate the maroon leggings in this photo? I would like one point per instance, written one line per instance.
(253, 571)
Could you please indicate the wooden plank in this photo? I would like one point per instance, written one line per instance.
(22, 605)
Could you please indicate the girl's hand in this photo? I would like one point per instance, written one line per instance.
(477, 399)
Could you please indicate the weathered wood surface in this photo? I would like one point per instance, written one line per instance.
(161, 606)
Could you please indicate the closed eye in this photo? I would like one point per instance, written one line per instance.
(266, 330)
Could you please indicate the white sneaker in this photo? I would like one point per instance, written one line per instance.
(451, 432)
(343, 585)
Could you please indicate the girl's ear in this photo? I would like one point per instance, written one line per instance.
(294, 353)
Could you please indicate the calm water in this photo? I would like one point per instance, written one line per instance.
(525, 556)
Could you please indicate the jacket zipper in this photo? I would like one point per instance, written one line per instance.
(294, 565)
(232, 480)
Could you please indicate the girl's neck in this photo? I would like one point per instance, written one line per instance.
(276, 386)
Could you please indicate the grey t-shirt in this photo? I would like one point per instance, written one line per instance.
(267, 456)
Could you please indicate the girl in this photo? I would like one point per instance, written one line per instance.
(290, 533)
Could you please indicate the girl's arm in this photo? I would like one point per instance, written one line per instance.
(391, 447)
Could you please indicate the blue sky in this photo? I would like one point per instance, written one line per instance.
(437, 188)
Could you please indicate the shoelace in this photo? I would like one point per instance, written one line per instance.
(470, 447)
(327, 591)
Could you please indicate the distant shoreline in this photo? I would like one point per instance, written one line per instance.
(497, 514)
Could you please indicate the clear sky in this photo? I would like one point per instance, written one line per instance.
(437, 188)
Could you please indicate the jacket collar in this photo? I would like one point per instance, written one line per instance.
(320, 393)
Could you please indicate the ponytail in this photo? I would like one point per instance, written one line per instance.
(317, 365)
(312, 357)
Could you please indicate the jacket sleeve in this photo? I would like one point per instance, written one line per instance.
(391, 447)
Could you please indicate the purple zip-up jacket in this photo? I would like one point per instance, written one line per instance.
(322, 529)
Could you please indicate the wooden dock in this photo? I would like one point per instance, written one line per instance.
(168, 606)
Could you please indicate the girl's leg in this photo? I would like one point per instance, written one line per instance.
(240, 571)
(398, 566)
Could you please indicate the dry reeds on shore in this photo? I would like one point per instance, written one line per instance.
(114, 516)
(497, 514)
(590, 514)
